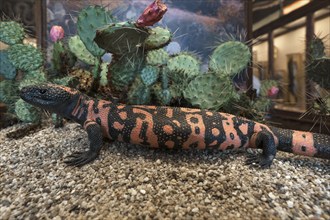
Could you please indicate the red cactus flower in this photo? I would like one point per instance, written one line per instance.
(152, 14)
(56, 33)
(273, 91)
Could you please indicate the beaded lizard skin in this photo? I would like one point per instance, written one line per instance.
(171, 127)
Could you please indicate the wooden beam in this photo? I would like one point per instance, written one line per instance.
(271, 54)
(309, 38)
(301, 12)
(248, 24)
(40, 13)
(293, 28)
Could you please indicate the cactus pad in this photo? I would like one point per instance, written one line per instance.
(26, 112)
(157, 57)
(121, 38)
(89, 20)
(319, 72)
(36, 75)
(123, 71)
(139, 94)
(7, 70)
(11, 32)
(209, 91)
(79, 49)
(159, 37)
(149, 75)
(230, 57)
(183, 67)
(62, 58)
(9, 92)
(163, 96)
(25, 57)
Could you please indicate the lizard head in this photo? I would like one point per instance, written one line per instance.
(47, 96)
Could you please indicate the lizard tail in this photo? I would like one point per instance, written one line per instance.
(303, 143)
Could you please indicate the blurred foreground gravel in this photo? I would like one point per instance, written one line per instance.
(133, 182)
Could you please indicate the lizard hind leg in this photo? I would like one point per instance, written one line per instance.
(264, 140)
(95, 144)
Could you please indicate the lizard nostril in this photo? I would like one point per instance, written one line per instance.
(42, 91)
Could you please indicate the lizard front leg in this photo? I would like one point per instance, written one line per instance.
(95, 144)
(266, 141)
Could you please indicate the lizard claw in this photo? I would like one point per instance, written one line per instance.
(262, 161)
(79, 159)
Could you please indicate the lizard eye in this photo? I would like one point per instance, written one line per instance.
(42, 91)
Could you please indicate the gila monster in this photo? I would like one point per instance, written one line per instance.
(171, 127)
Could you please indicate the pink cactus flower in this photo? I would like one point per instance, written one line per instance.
(56, 33)
(273, 91)
(152, 14)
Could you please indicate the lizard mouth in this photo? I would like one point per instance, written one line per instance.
(36, 99)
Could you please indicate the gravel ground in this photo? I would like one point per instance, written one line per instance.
(132, 182)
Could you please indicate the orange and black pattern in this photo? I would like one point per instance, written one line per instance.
(174, 127)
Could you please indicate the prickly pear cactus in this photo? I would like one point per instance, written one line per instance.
(157, 57)
(317, 48)
(149, 75)
(38, 75)
(26, 112)
(7, 70)
(89, 20)
(158, 37)
(62, 58)
(163, 96)
(183, 67)
(210, 91)
(11, 32)
(121, 38)
(319, 72)
(139, 94)
(318, 69)
(9, 93)
(25, 57)
(78, 48)
(124, 71)
(230, 57)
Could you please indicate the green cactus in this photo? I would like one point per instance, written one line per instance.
(7, 70)
(26, 112)
(230, 57)
(38, 75)
(210, 91)
(89, 20)
(318, 68)
(317, 48)
(66, 81)
(319, 71)
(11, 32)
(78, 48)
(157, 57)
(149, 75)
(163, 96)
(182, 67)
(62, 58)
(124, 71)
(121, 38)
(104, 74)
(139, 94)
(25, 57)
(9, 93)
(158, 37)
